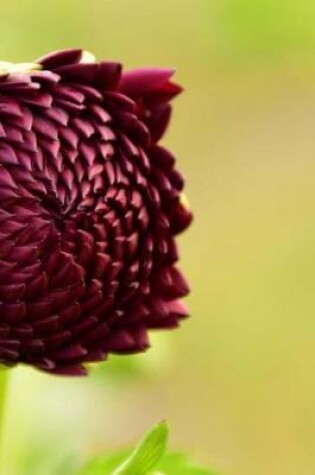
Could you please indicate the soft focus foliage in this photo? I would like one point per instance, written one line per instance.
(240, 373)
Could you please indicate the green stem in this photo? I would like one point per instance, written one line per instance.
(4, 378)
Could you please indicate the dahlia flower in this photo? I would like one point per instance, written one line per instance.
(90, 205)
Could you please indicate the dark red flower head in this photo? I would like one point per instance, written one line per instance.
(89, 208)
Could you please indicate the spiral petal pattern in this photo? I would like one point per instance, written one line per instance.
(90, 205)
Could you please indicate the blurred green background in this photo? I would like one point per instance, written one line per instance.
(237, 381)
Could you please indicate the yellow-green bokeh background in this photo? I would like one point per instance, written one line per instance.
(237, 382)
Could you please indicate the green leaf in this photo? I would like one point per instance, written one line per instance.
(179, 464)
(104, 464)
(148, 458)
(147, 454)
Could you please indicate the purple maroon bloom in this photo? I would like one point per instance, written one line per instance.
(90, 205)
